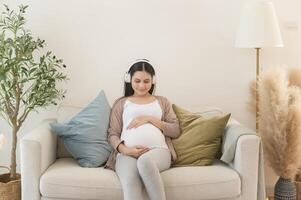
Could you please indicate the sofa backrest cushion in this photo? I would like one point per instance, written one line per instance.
(85, 135)
(64, 115)
(200, 139)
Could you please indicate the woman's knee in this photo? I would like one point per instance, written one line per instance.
(129, 177)
(145, 165)
(126, 169)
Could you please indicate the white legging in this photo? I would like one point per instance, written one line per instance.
(146, 169)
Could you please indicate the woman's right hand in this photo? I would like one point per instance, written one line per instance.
(134, 151)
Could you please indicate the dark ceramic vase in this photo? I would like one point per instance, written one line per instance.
(285, 189)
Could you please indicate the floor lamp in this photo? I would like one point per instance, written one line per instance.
(258, 28)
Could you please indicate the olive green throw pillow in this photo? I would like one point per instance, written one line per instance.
(200, 138)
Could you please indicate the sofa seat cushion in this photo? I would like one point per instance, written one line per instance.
(217, 181)
(66, 179)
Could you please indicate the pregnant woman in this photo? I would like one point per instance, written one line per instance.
(140, 131)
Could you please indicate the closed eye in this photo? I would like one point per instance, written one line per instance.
(145, 81)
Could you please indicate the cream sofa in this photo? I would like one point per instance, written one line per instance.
(49, 173)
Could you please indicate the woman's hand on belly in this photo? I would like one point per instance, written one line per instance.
(138, 121)
(134, 151)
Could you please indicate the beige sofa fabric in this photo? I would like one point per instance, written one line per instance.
(66, 179)
(48, 178)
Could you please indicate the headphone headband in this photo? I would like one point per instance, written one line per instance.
(127, 76)
(140, 60)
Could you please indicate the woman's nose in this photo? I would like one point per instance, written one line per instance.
(141, 85)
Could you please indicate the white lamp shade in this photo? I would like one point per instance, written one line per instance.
(258, 26)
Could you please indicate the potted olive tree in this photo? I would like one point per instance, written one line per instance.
(28, 81)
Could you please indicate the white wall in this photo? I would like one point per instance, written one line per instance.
(190, 43)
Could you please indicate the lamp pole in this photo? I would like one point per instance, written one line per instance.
(257, 93)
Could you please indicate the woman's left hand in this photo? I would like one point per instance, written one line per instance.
(138, 121)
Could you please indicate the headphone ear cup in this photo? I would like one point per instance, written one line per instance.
(127, 77)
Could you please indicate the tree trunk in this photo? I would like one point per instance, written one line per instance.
(13, 165)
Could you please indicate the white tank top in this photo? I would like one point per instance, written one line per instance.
(146, 134)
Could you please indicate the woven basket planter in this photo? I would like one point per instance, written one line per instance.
(298, 187)
(10, 190)
(285, 190)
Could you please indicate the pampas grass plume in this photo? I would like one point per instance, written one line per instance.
(280, 120)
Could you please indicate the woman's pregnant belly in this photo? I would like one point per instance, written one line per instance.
(147, 135)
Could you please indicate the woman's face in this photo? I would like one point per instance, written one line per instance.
(141, 83)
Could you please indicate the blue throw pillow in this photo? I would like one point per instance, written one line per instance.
(85, 135)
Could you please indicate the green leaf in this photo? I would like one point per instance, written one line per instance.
(2, 74)
(3, 88)
(25, 71)
(2, 77)
(32, 70)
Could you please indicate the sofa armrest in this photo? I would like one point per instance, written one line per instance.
(38, 152)
(242, 151)
(246, 162)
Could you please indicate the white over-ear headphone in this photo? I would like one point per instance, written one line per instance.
(127, 75)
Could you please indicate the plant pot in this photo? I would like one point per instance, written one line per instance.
(285, 189)
(10, 190)
(298, 187)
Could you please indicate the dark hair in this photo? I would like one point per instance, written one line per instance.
(139, 66)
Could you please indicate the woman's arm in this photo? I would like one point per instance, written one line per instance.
(156, 122)
(115, 125)
(170, 125)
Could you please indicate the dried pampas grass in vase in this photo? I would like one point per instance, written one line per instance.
(280, 123)
(295, 80)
